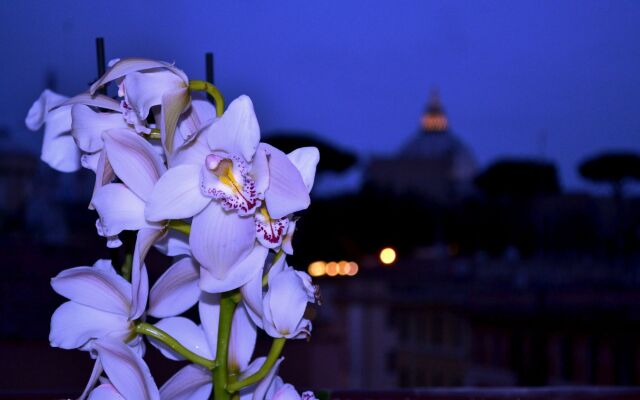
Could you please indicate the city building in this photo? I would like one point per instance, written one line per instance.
(434, 163)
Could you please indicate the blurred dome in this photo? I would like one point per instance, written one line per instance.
(435, 141)
(434, 163)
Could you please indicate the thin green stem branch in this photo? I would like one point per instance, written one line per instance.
(220, 372)
(125, 268)
(180, 226)
(272, 357)
(212, 91)
(162, 336)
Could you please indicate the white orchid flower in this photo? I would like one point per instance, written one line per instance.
(59, 150)
(147, 83)
(271, 387)
(278, 390)
(280, 310)
(120, 206)
(88, 124)
(129, 375)
(221, 179)
(101, 305)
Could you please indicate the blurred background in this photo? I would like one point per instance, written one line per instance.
(476, 217)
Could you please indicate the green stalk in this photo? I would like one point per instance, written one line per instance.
(155, 134)
(125, 268)
(180, 226)
(272, 357)
(157, 333)
(220, 372)
(213, 92)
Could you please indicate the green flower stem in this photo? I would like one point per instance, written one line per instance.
(180, 226)
(213, 92)
(157, 333)
(272, 357)
(125, 268)
(155, 134)
(220, 372)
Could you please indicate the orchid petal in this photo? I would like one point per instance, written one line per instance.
(260, 390)
(287, 192)
(139, 279)
(104, 173)
(176, 290)
(306, 160)
(194, 152)
(40, 108)
(134, 160)
(90, 161)
(238, 275)
(106, 391)
(174, 244)
(237, 131)
(95, 100)
(174, 103)
(113, 242)
(209, 310)
(278, 265)
(87, 126)
(187, 333)
(242, 340)
(127, 370)
(220, 239)
(94, 288)
(287, 242)
(192, 382)
(128, 65)
(260, 170)
(74, 324)
(276, 384)
(177, 195)
(286, 301)
(119, 209)
(58, 148)
(200, 115)
(59, 151)
(93, 379)
(286, 392)
(252, 298)
(143, 90)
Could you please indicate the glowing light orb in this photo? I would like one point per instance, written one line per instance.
(353, 269)
(332, 268)
(317, 268)
(387, 255)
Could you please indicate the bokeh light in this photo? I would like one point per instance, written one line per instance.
(387, 255)
(317, 268)
(332, 268)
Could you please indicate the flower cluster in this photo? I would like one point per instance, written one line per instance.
(195, 182)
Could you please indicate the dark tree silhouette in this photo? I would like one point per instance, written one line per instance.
(332, 158)
(510, 188)
(612, 168)
(615, 169)
(519, 178)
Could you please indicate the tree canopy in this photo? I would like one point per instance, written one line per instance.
(332, 158)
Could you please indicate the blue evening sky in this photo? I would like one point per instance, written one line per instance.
(553, 78)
